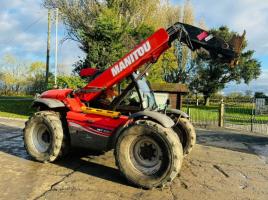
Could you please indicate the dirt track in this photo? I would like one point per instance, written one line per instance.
(224, 165)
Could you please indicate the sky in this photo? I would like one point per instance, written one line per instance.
(240, 15)
(23, 32)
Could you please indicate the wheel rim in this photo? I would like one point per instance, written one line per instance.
(41, 138)
(146, 155)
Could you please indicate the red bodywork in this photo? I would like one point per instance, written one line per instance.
(97, 124)
(57, 94)
(147, 51)
(94, 123)
(159, 43)
(88, 72)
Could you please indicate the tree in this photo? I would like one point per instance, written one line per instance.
(36, 78)
(260, 95)
(11, 78)
(184, 54)
(211, 76)
(248, 93)
(178, 71)
(18, 77)
(107, 29)
(73, 82)
(235, 95)
(165, 16)
(8, 82)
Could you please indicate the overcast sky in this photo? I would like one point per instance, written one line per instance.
(23, 26)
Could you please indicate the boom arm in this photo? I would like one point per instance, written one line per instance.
(196, 38)
(151, 49)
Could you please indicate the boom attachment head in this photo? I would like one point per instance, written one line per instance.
(196, 38)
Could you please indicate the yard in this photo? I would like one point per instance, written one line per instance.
(223, 165)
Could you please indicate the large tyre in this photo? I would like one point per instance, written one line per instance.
(148, 154)
(44, 137)
(186, 132)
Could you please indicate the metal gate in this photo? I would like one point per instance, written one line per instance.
(242, 114)
(245, 115)
(200, 115)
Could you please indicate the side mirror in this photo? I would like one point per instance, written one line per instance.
(167, 103)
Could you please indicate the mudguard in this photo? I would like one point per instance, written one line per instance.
(178, 112)
(163, 119)
(51, 103)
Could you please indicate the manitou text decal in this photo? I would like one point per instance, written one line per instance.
(131, 58)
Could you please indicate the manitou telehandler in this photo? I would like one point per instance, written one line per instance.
(117, 110)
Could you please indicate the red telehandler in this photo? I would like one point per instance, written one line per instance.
(117, 110)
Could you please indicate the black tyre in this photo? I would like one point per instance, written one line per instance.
(148, 154)
(186, 132)
(44, 137)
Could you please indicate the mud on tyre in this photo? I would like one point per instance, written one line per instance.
(186, 132)
(44, 136)
(148, 154)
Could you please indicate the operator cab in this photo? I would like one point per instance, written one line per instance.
(129, 96)
(134, 95)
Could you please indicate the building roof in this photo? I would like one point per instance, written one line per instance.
(169, 88)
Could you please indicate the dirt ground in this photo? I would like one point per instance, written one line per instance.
(223, 165)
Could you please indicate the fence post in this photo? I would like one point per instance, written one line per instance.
(252, 115)
(188, 109)
(221, 114)
(188, 112)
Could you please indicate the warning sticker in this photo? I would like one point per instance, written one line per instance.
(202, 35)
(209, 37)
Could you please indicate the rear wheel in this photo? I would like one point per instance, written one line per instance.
(148, 154)
(186, 132)
(44, 137)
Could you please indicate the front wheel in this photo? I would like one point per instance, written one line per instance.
(44, 137)
(148, 154)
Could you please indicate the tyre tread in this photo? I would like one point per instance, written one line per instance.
(61, 143)
(177, 153)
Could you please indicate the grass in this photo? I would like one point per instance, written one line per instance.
(237, 114)
(15, 108)
(15, 97)
(19, 107)
(203, 113)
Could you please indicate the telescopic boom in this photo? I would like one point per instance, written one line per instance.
(151, 49)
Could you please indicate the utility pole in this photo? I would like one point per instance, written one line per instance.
(48, 46)
(56, 47)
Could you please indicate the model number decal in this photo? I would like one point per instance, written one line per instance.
(101, 130)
